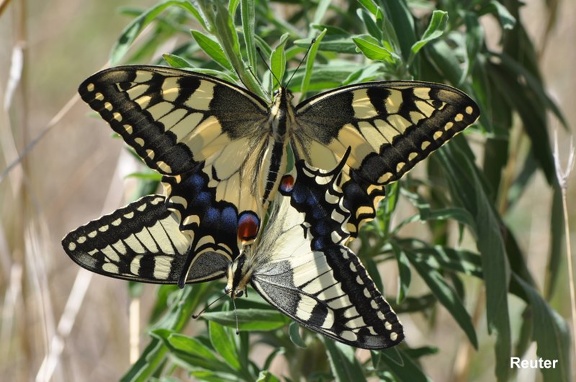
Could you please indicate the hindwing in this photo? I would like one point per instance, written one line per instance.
(302, 267)
(159, 240)
(299, 264)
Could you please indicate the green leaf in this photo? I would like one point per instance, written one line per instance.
(467, 190)
(248, 15)
(460, 215)
(150, 360)
(295, 337)
(550, 332)
(435, 29)
(399, 26)
(185, 344)
(339, 44)
(370, 5)
(417, 304)
(225, 344)
(249, 319)
(344, 365)
(474, 43)
(153, 356)
(313, 49)
(555, 261)
(371, 48)
(457, 260)
(446, 295)
(266, 376)
(278, 60)
(133, 29)
(321, 10)
(400, 364)
(526, 94)
(176, 61)
(446, 61)
(373, 29)
(499, 10)
(192, 351)
(404, 272)
(364, 74)
(212, 48)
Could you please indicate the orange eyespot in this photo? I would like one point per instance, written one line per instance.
(286, 184)
(248, 226)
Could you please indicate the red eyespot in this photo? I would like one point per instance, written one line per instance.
(287, 184)
(248, 226)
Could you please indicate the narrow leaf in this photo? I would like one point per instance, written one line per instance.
(249, 319)
(345, 367)
(371, 48)
(447, 297)
(212, 48)
(224, 343)
(131, 32)
(435, 29)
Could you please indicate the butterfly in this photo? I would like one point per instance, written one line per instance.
(299, 264)
(183, 124)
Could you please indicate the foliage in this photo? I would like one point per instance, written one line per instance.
(352, 42)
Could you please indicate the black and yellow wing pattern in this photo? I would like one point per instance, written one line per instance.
(300, 264)
(223, 153)
(177, 120)
(152, 240)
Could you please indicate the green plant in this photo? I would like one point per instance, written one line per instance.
(356, 42)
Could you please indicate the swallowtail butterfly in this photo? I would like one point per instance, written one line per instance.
(182, 122)
(223, 152)
(299, 264)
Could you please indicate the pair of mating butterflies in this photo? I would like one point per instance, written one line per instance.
(224, 153)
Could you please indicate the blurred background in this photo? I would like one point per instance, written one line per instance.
(60, 323)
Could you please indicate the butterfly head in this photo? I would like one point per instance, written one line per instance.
(238, 275)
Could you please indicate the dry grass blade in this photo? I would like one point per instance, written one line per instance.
(563, 175)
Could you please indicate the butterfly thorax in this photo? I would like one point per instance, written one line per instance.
(280, 120)
(239, 274)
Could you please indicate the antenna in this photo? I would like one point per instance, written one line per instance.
(265, 61)
(195, 316)
(301, 61)
(236, 316)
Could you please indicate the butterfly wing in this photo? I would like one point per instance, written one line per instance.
(144, 242)
(304, 269)
(175, 119)
(390, 126)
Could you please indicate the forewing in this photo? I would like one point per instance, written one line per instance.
(178, 121)
(174, 118)
(389, 126)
